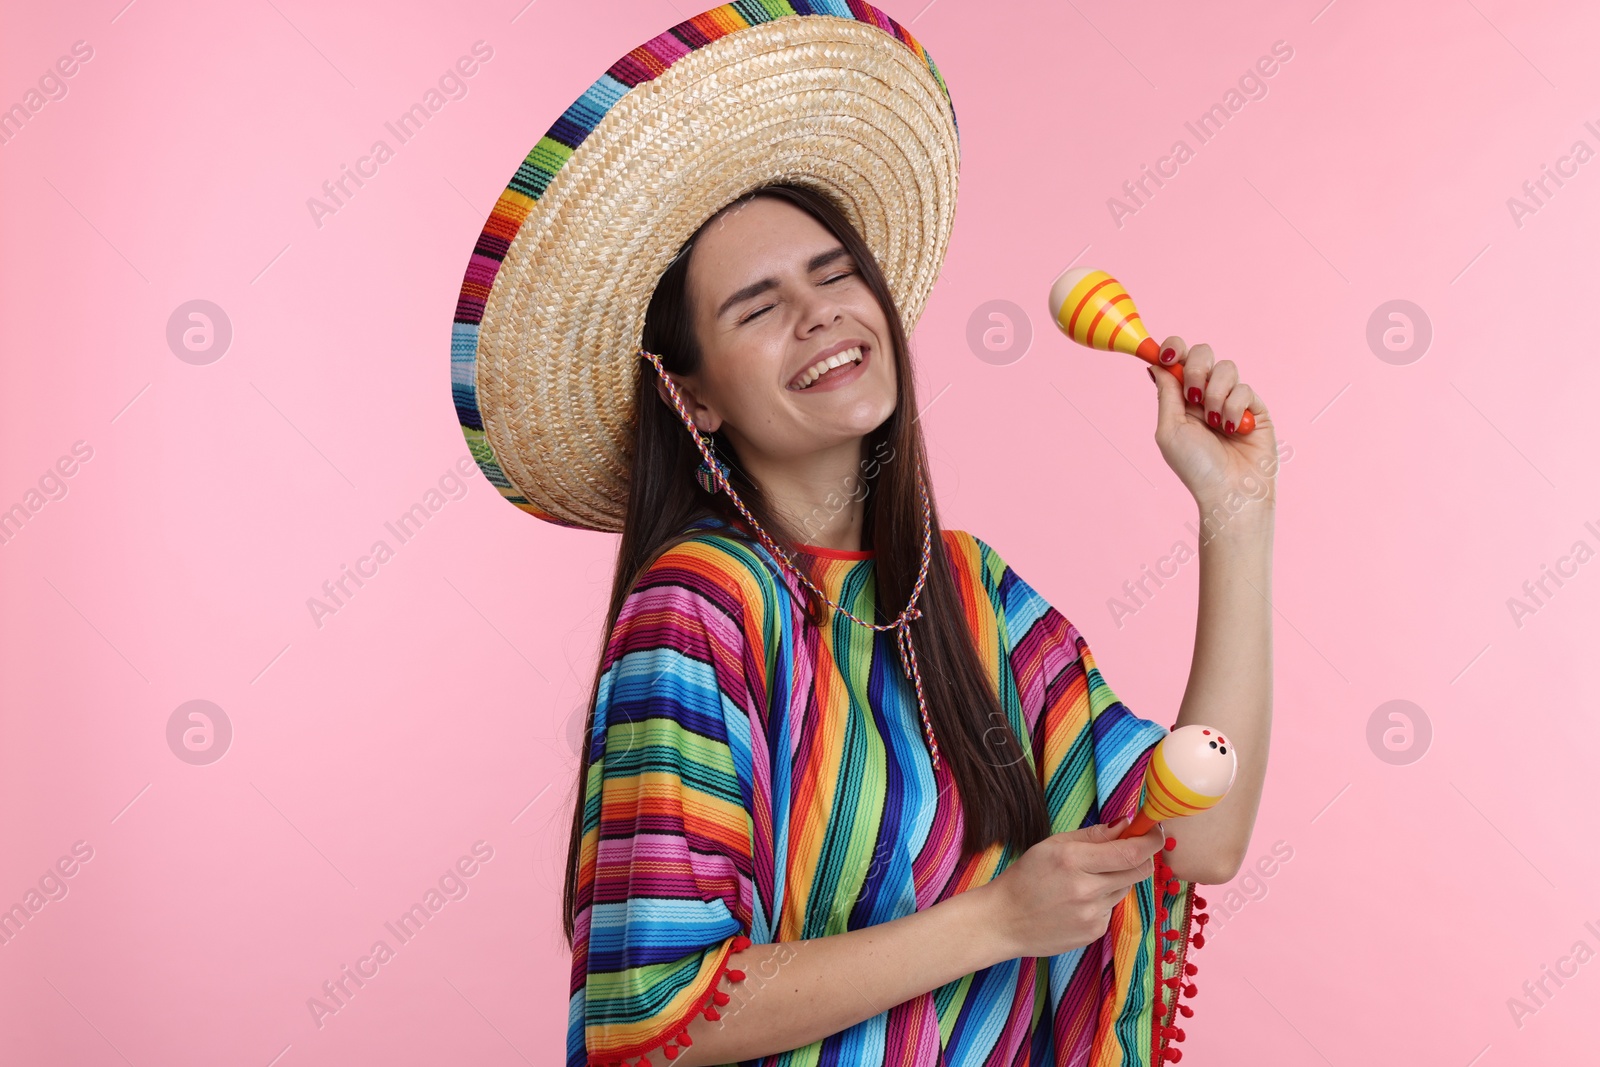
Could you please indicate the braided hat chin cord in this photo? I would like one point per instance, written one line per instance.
(908, 652)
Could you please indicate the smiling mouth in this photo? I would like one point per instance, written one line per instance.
(840, 362)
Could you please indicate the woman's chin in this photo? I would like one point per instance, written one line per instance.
(856, 404)
(818, 435)
(857, 422)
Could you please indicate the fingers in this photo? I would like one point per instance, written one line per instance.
(1257, 405)
(1112, 865)
(1102, 831)
(1196, 368)
(1199, 380)
(1173, 350)
(1119, 856)
(1124, 882)
(1212, 384)
(1233, 408)
(1196, 363)
(1115, 884)
(1120, 881)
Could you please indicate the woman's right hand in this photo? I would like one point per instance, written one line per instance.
(1059, 894)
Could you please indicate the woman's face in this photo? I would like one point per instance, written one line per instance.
(772, 291)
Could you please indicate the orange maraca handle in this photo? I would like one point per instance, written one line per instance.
(1150, 352)
(1140, 825)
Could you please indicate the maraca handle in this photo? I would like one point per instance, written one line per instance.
(1140, 825)
(1147, 351)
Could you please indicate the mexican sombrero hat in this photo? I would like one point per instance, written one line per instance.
(833, 95)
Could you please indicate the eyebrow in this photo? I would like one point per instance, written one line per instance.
(817, 262)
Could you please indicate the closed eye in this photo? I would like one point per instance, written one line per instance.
(767, 307)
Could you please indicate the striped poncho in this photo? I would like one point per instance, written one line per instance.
(755, 778)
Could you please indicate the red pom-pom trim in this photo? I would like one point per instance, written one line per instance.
(713, 996)
(1164, 1032)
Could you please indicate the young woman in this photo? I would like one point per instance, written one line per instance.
(756, 763)
(850, 788)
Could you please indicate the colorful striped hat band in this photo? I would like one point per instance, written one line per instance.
(908, 651)
(833, 95)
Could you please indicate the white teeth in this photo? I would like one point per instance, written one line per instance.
(849, 355)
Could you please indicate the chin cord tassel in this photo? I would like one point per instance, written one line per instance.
(1164, 1020)
(713, 475)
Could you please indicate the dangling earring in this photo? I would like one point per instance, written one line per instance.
(703, 474)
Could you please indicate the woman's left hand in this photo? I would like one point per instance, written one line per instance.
(1212, 461)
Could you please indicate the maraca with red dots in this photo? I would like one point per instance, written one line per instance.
(1092, 308)
(1191, 770)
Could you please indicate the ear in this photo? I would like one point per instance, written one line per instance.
(705, 418)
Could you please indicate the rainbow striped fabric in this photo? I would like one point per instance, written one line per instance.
(755, 778)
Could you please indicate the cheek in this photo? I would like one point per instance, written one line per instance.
(757, 404)
(886, 369)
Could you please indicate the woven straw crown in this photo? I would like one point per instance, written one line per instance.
(835, 96)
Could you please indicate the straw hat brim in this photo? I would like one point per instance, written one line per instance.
(548, 326)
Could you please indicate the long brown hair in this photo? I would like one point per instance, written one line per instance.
(1000, 797)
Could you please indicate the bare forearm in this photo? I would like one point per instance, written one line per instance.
(797, 992)
(1230, 688)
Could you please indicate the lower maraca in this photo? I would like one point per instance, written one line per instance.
(1092, 308)
(1191, 770)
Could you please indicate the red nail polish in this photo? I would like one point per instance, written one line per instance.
(1228, 426)
(1214, 418)
(1167, 355)
(1194, 395)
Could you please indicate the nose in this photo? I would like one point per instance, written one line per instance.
(819, 312)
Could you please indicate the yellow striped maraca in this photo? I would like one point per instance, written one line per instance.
(1092, 308)
(1191, 770)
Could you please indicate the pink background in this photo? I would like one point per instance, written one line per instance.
(434, 710)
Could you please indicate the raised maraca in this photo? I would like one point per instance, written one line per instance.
(1191, 770)
(1093, 309)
